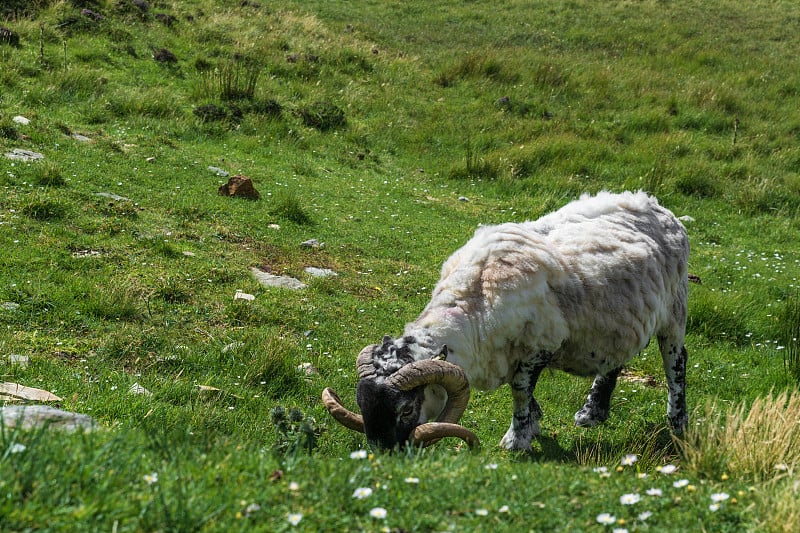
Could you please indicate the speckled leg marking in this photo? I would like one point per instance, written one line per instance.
(674, 356)
(525, 423)
(595, 410)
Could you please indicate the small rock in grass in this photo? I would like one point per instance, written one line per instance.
(9, 306)
(20, 154)
(243, 296)
(312, 243)
(28, 417)
(112, 196)
(320, 272)
(271, 280)
(218, 171)
(19, 119)
(138, 389)
(241, 187)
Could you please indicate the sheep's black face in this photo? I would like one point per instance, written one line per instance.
(389, 415)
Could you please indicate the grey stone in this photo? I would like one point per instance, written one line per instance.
(271, 280)
(20, 154)
(218, 171)
(112, 196)
(320, 272)
(80, 138)
(9, 306)
(243, 296)
(28, 417)
(19, 119)
(312, 243)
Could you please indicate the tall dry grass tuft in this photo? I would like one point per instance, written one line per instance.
(780, 509)
(760, 443)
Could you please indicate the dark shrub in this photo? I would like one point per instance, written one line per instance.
(8, 37)
(323, 115)
(162, 55)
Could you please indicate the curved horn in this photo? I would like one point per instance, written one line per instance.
(347, 418)
(426, 434)
(433, 371)
(364, 362)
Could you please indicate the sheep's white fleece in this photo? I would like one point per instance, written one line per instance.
(588, 285)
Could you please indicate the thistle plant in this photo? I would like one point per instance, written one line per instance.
(295, 433)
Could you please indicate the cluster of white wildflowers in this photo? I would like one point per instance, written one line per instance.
(640, 500)
(665, 476)
(759, 266)
(365, 493)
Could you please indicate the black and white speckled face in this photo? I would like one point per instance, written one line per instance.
(389, 415)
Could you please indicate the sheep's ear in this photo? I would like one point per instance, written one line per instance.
(442, 355)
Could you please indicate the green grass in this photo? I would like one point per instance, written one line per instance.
(362, 127)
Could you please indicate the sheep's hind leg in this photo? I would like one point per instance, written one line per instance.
(525, 422)
(673, 353)
(597, 405)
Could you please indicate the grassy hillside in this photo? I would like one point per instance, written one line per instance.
(387, 131)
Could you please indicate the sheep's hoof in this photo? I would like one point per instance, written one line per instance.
(519, 440)
(588, 417)
(511, 444)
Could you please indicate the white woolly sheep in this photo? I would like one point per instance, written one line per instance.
(582, 289)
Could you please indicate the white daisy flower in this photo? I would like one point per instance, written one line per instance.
(362, 492)
(606, 519)
(629, 499)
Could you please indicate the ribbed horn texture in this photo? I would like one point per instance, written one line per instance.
(431, 371)
(347, 418)
(427, 434)
(365, 362)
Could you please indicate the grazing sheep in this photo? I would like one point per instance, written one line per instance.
(582, 289)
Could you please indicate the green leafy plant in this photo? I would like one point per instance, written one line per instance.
(296, 433)
(289, 207)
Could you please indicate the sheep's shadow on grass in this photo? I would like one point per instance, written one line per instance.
(652, 444)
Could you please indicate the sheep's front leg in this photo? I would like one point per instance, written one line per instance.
(597, 405)
(525, 422)
(674, 356)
